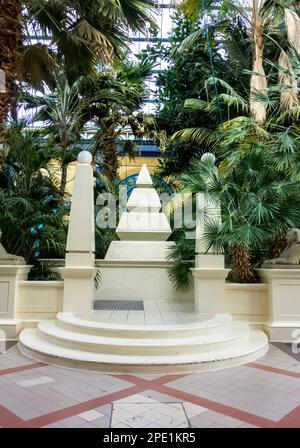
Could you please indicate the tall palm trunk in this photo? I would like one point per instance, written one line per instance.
(258, 79)
(241, 268)
(279, 244)
(110, 154)
(111, 162)
(292, 22)
(286, 77)
(63, 179)
(10, 39)
(64, 160)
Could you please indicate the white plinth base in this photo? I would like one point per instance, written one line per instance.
(9, 329)
(10, 278)
(209, 289)
(78, 289)
(284, 303)
(209, 344)
(137, 280)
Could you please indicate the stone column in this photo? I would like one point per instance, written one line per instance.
(79, 270)
(209, 273)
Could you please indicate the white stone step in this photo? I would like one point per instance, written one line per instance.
(144, 200)
(238, 332)
(207, 324)
(31, 344)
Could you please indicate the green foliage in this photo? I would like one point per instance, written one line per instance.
(44, 271)
(81, 33)
(31, 212)
(257, 204)
(182, 256)
(188, 80)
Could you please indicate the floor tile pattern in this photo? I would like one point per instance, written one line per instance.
(263, 394)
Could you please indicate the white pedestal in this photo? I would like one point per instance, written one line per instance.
(78, 289)
(210, 289)
(10, 276)
(138, 280)
(284, 303)
(209, 261)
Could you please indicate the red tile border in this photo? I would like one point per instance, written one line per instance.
(274, 370)
(55, 416)
(149, 383)
(217, 407)
(140, 385)
(35, 365)
(291, 420)
(10, 420)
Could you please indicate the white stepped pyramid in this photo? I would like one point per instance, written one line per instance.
(211, 342)
(143, 220)
(143, 229)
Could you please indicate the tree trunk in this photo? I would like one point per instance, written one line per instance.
(292, 22)
(241, 268)
(64, 178)
(10, 40)
(258, 81)
(110, 154)
(279, 244)
(289, 98)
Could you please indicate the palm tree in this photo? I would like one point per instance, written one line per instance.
(111, 116)
(263, 18)
(10, 40)
(256, 203)
(88, 32)
(60, 111)
(81, 33)
(240, 133)
(64, 113)
(271, 152)
(31, 211)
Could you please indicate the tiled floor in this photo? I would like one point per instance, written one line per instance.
(261, 394)
(156, 312)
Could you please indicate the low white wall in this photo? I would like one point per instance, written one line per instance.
(141, 280)
(247, 302)
(43, 299)
(252, 303)
(284, 303)
(39, 300)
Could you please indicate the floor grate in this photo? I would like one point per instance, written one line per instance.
(119, 305)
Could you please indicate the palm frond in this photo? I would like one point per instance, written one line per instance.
(196, 135)
(36, 64)
(189, 41)
(98, 42)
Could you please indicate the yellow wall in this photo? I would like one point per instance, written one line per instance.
(127, 168)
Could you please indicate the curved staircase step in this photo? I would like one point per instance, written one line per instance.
(49, 330)
(206, 324)
(33, 345)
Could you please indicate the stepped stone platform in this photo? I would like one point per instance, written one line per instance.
(119, 343)
(165, 335)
